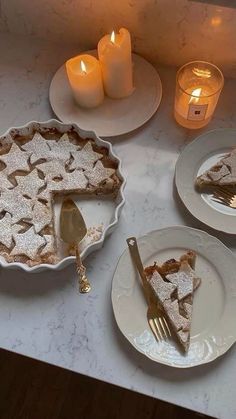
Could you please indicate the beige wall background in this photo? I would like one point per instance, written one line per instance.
(167, 31)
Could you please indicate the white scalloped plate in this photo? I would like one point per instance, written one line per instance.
(98, 212)
(213, 329)
(197, 157)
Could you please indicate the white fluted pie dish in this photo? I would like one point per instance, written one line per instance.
(101, 213)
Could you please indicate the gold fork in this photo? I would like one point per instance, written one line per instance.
(155, 317)
(225, 195)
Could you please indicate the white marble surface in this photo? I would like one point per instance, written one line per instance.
(42, 315)
(170, 32)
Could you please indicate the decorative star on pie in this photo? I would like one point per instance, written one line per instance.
(180, 322)
(15, 160)
(52, 169)
(183, 279)
(63, 148)
(12, 201)
(7, 229)
(29, 185)
(37, 148)
(70, 182)
(162, 289)
(49, 248)
(85, 158)
(6, 141)
(27, 244)
(4, 182)
(45, 194)
(98, 174)
(41, 216)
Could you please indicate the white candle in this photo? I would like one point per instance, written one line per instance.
(85, 78)
(114, 52)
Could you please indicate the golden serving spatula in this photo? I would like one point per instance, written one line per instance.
(73, 230)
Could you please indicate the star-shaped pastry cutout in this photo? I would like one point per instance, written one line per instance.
(179, 321)
(50, 245)
(6, 141)
(41, 216)
(52, 169)
(7, 229)
(63, 148)
(85, 158)
(30, 184)
(27, 244)
(71, 182)
(12, 201)
(15, 159)
(37, 148)
(4, 182)
(98, 174)
(162, 289)
(230, 160)
(183, 279)
(45, 194)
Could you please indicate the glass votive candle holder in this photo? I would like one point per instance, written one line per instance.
(198, 87)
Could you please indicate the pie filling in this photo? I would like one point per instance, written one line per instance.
(33, 169)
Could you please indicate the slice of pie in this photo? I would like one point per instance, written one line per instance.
(222, 173)
(173, 285)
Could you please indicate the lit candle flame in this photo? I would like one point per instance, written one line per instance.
(196, 95)
(216, 21)
(113, 37)
(83, 66)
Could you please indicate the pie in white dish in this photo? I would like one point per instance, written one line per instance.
(34, 168)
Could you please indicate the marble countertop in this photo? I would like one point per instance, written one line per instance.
(42, 315)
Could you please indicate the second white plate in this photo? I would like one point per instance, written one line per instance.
(214, 309)
(197, 157)
(113, 116)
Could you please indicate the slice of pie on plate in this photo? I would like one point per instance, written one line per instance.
(222, 173)
(173, 285)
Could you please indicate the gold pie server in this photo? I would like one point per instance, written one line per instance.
(73, 230)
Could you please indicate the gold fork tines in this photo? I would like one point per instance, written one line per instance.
(155, 316)
(158, 324)
(225, 195)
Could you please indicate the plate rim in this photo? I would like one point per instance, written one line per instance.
(147, 355)
(123, 132)
(120, 199)
(179, 163)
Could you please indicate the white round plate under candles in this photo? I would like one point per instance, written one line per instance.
(113, 116)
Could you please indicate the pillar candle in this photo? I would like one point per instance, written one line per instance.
(85, 78)
(114, 52)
